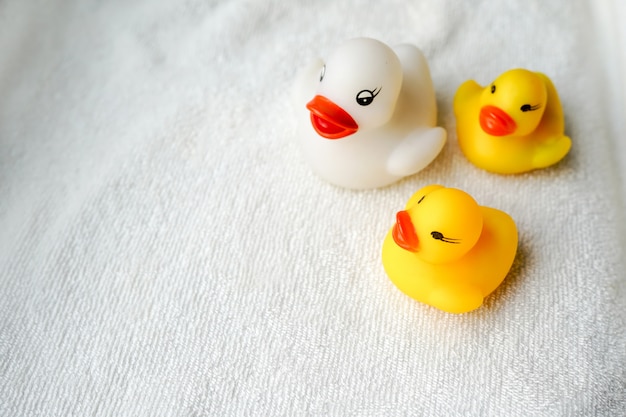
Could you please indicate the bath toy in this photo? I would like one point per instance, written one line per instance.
(367, 115)
(447, 251)
(513, 125)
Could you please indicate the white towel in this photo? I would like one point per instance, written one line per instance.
(164, 249)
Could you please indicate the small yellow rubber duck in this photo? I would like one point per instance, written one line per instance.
(447, 251)
(513, 125)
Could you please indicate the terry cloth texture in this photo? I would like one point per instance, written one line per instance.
(165, 250)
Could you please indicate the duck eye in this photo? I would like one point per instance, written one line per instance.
(528, 107)
(493, 89)
(439, 236)
(420, 200)
(365, 97)
(322, 73)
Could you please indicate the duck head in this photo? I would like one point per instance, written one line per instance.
(438, 224)
(358, 88)
(513, 104)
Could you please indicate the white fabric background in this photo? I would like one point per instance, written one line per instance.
(164, 251)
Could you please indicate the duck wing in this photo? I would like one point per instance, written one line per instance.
(416, 151)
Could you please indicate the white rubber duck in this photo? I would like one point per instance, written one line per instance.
(367, 117)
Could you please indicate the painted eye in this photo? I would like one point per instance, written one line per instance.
(528, 107)
(420, 200)
(493, 89)
(439, 236)
(322, 73)
(365, 97)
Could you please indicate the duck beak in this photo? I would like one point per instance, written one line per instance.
(329, 120)
(496, 121)
(403, 232)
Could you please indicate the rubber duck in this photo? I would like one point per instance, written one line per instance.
(447, 251)
(513, 125)
(367, 114)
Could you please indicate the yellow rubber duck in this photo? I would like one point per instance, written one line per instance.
(513, 125)
(447, 251)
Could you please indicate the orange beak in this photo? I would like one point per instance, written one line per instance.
(403, 232)
(496, 121)
(329, 120)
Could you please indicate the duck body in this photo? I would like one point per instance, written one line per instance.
(513, 125)
(367, 116)
(446, 264)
